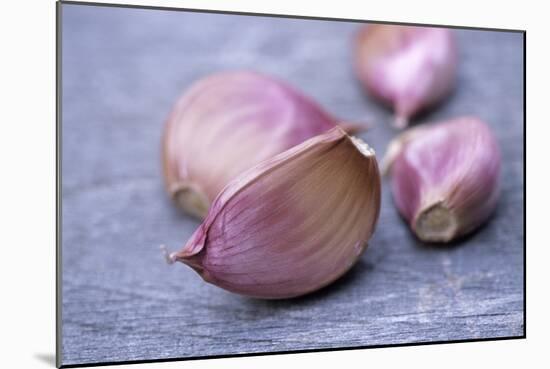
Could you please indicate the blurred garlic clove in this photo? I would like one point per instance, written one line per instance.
(293, 223)
(225, 124)
(445, 177)
(408, 67)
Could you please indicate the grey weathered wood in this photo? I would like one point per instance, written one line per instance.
(122, 70)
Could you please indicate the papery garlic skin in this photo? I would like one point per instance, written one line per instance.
(226, 123)
(445, 177)
(292, 224)
(408, 67)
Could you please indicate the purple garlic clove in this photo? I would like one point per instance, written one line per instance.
(408, 67)
(292, 224)
(445, 177)
(227, 123)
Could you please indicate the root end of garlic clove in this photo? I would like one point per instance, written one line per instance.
(191, 198)
(436, 223)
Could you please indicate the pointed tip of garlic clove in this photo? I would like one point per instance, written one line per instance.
(397, 145)
(400, 121)
(387, 162)
(170, 257)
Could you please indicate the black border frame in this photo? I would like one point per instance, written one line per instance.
(58, 158)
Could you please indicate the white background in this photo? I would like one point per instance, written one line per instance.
(27, 196)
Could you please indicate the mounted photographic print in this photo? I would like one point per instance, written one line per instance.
(236, 184)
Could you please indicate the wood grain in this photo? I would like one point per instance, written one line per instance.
(122, 70)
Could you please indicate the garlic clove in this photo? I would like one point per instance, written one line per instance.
(445, 177)
(408, 67)
(292, 224)
(228, 122)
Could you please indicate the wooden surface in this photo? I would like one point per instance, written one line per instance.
(123, 69)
